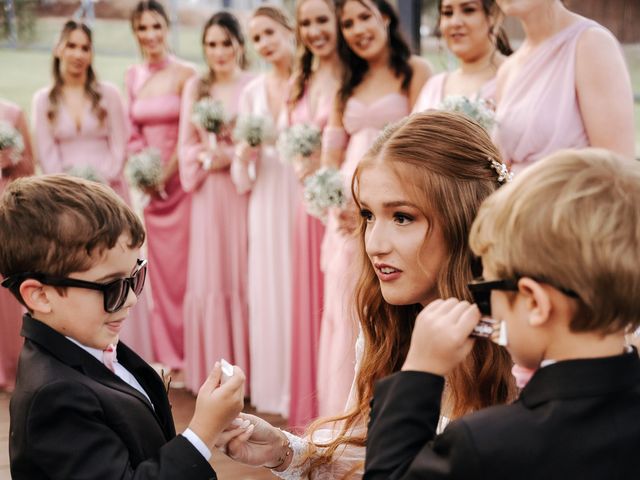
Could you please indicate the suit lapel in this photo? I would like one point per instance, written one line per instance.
(74, 356)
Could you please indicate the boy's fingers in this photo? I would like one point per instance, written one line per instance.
(213, 380)
(456, 312)
(468, 319)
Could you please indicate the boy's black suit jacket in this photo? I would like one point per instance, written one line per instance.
(72, 418)
(577, 419)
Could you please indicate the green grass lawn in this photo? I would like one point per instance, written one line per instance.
(23, 71)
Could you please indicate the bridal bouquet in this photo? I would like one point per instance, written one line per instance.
(144, 169)
(479, 110)
(86, 172)
(253, 129)
(210, 115)
(299, 140)
(324, 190)
(10, 138)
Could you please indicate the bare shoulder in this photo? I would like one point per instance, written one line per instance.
(421, 66)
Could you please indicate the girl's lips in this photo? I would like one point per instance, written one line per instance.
(387, 273)
(115, 326)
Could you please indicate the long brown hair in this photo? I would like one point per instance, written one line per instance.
(303, 64)
(229, 23)
(448, 181)
(91, 88)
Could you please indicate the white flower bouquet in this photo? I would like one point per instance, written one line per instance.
(324, 190)
(209, 114)
(299, 140)
(144, 170)
(86, 172)
(253, 129)
(478, 110)
(11, 139)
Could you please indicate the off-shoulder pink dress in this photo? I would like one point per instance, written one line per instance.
(215, 306)
(154, 123)
(308, 287)
(272, 207)
(432, 93)
(538, 111)
(10, 309)
(62, 144)
(340, 259)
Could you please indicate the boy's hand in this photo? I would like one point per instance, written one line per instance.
(440, 338)
(217, 405)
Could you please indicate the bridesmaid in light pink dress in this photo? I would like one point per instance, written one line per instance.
(373, 94)
(567, 86)
(472, 34)
(215, 306)
(79, 121)
(310, 101)
(154, 89)
(271, 214)
(10, 309)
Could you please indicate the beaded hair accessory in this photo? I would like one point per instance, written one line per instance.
(504, 175)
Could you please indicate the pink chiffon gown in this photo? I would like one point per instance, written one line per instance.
(272, 207)
(63, 144)
(154, 124)
(308, 288)
(101, 145)
(432, 93)
(340, 259)
(10, 309)
(215, 306)
(538, 111)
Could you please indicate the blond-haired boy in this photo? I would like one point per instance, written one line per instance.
(70, 254)
(561, 253)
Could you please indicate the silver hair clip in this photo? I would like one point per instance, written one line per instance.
(504, 175)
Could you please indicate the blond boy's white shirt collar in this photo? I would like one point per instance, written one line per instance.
(126, 376)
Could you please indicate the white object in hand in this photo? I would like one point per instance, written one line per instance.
(227, 370)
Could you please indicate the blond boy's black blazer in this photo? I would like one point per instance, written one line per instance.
(72, 418)
(577, 419)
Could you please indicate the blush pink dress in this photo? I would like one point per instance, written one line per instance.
(215, 306)
(272, 207)
(538, 111)
(10, 309)
(154, 123)
(308, 287)
(432, 93)
(63, 144)
(340, 259)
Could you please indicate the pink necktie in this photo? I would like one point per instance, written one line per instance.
(109, 357)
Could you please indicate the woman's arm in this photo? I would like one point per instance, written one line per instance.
(422, 71)
(136, 140)
(118, 133)
(190, 146)
(604, 92)
(334, 138)
(47, 151)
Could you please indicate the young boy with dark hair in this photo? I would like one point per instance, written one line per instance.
(560, 247)
(86, 406)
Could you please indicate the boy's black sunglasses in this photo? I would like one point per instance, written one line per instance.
(114, 293)
(481, 291)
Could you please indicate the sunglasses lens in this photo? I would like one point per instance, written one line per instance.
(116, 295)
(138, 279)
(483, 300)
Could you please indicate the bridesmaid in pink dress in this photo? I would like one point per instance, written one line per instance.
(215, 306)
(154, 89)
(567, 86)
(472, 32)
(315, 81)
(78, 114)
(10, 309)
(380, 87)
(271, 215)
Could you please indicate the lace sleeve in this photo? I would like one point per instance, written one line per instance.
(347, 460)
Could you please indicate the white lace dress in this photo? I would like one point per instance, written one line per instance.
(348, 459)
